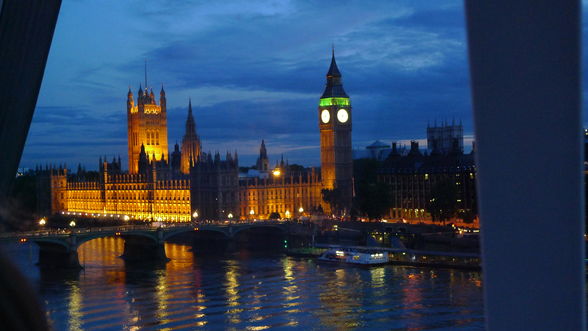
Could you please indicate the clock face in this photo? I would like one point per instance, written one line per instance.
(342, 115)
(325, 116)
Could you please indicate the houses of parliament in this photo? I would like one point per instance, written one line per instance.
(189, 183)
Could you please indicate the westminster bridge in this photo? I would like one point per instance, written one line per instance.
(59, 247)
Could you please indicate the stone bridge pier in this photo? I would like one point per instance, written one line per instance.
(58, 255)
(138, 248)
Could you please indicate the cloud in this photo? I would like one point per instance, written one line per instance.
(254, 70)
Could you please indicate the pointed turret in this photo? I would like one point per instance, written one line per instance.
(152, 97)
(191, 147)
(262, 161)
(334, 88)
(143, 161)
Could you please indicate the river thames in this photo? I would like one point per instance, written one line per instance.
(248, 290)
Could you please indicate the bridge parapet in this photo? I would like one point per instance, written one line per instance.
(142, 242)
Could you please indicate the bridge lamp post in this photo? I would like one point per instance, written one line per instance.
(287, 214)
(195, 216)
(251, 213)
(72, 223)
(126, 218)
(42, 221)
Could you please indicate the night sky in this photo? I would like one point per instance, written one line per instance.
(254, 70)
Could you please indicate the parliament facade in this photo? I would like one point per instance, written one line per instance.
(189, 183)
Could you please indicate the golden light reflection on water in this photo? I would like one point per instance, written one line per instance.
(284, 292)
(290, 291)
(340, 305)
(74, 308)
(232, 292)
(378, 277)
(161, 295)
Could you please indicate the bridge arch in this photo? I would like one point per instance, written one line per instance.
(169, 234)
(254, 227)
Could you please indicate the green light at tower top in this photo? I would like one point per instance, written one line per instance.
(325, 102)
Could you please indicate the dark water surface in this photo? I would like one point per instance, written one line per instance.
(244, 290)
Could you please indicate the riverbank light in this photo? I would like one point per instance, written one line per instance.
(126, 218)
(287, 214)
(42, 221)
(230, 215)
(195, 214)
(301, 210)
(251, 212)
(72, 223)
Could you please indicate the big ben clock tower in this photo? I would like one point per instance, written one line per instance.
(335, 126)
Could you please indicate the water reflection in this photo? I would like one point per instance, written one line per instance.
(251, 291)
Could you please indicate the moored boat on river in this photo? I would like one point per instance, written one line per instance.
(364, 257)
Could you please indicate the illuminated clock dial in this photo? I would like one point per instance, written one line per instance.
(325, 116)
(342, 115)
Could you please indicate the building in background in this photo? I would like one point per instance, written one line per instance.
(192, 183)
(440, 139)
(415, 180)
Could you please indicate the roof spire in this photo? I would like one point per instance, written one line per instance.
(333, 70)
(334, 87)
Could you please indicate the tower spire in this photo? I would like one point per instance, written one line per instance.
(145, 72)
(334, 86)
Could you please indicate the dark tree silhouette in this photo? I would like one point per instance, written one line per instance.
(372, 198)
(443, 200)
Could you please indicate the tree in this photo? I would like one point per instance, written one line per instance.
(333, 198)
(274, 216)
(372, 197)
(443, 200)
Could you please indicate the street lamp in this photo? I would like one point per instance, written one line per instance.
(195, 215)
(42, 221)
(230, 215)
(72, 223)
(287, 214)
(301, 210)
(126, 218)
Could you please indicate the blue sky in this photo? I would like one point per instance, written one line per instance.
(254, 70)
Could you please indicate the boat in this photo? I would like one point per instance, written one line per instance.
(364, 257)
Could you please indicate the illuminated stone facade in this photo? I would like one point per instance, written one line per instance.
(147, 126)
(334, 114)
(289, 195)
